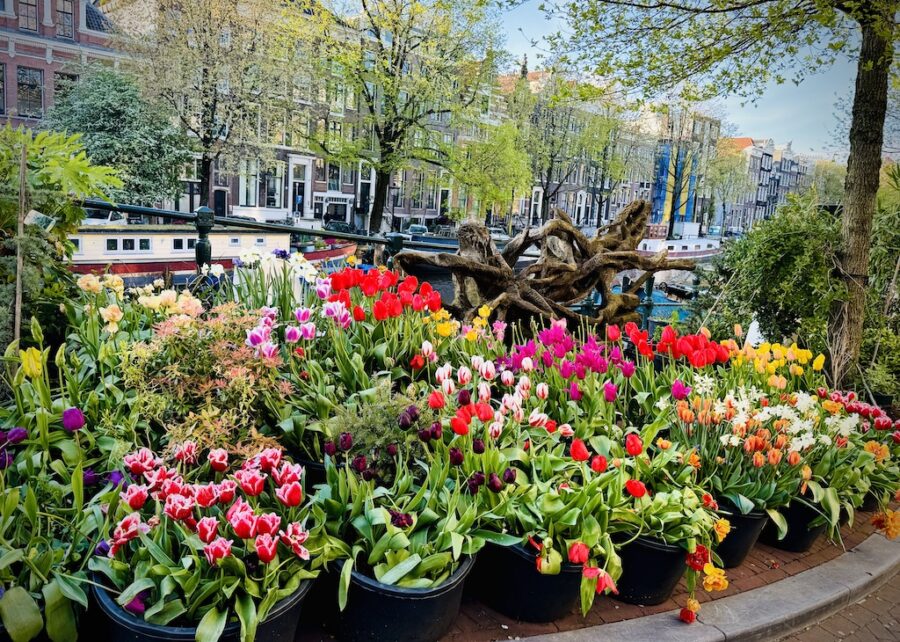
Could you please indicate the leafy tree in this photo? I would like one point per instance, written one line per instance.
(120, 129)
(828, 181)
(737, 46)
(492, 168)
(728, 177)
(218, 67)
(58, 175)
(779, 273)
(413, 67)
(562, 130)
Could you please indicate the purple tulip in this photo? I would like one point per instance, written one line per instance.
(456, 456)
(102, 548)
(359, 463)
(610, 391)
(116, 478)
(413, 412)
(137, 605)
(323, 288)
(425, 435)
(281, 254)
(330, 448)
(368, 474)
(73, 419)
(627, 368)
(478, 446)
(6, 459)
(345, 441)
(509, 475)
(302, 314)
(392, 450)
(437, 431)
(680, 390)
(16, 435)
(269, 312)
(464, 398)
(575, 391)
(291, 334)
(257, 336)
(494, 483)
(404, 420)
(90, 477)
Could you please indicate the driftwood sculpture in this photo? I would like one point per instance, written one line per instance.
(570, 267)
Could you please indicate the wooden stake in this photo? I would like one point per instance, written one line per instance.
(20, 236)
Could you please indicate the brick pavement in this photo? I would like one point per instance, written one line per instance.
(874, 618)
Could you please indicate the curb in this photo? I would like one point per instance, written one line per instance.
(766, 613)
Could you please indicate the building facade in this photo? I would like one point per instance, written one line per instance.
(43, 43)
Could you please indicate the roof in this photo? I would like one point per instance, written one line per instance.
(95, 19)
(742, 142)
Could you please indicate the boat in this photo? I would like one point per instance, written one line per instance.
(141, 252)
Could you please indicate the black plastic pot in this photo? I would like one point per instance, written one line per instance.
(118, 625)
(313, 474)
(650, 571)
(507, 580)
(745, 531)
(870, 502)
(799, 537)
(377, 611)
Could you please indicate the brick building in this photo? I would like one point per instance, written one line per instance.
(43, 43)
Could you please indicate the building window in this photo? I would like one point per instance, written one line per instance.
(248, 183)
(334, 177)
(177, 244)
(260, 240)
(31, 92)
(64, 20)
(320, 170)
(76, 242)
(112, 245)
(144, 245)
(275, 186)
(234, 241)
(192, 243)
(128, 245)
(28, 15)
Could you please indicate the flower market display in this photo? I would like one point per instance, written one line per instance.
(198, 464)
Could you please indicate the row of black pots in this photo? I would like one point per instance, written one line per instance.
(374, 611)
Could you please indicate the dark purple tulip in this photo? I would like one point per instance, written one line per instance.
(359, 463)
(437, 430)
(477, 477)
(330, 448)
(456, 456)
(72, 419)
(137, 605)
(405, 421)
(102, 548)
(478, 446)
(425, 435)
(475, 482)
(3, 437)
(17, 435)
(401, 520)
(90, 477)
(6, 459)
(368, 474)
(392, 450)
(345, 441)
(494, 483)
(116, 478)
(464, 397)
(472, 487)
(413, 412)
(509, 475)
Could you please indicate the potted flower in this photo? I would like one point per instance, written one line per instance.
(409, 547)
(207, 548)
(665, 527)
(745, 456)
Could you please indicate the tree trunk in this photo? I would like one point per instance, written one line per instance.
(206, 164)
(382, 182)
(845, 325)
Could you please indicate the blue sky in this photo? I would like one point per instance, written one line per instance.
(803, 114)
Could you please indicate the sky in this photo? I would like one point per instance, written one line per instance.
(801, 114)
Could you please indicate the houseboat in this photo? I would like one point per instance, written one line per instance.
(141, 252)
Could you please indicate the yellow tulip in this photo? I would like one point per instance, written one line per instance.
(819, 362)
(32, 364)
(484, 311)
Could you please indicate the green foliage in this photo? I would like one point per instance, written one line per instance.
(828, 180)
(780, 273)
(121, 129)
(58, 174)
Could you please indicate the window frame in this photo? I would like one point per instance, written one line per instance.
(68, 30)
(20, 71)
(28, 20)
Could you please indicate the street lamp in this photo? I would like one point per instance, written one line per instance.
(394, 191)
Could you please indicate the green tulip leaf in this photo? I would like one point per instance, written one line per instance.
(20, 614)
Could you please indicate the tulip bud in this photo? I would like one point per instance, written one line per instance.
(477, 446)
(494, 483)
(509, 475)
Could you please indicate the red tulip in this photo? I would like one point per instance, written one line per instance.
(358, 313)
(613, 333)
(251, 481)
(579, 451)
(635, 488)
(218, 459)
(135, 496)
(436, 400)
(217, 549)
(207, 529)
(579, 553)
(266, 547)
(290, 494)
(268, 523)
(633, 445)
(598, 463)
